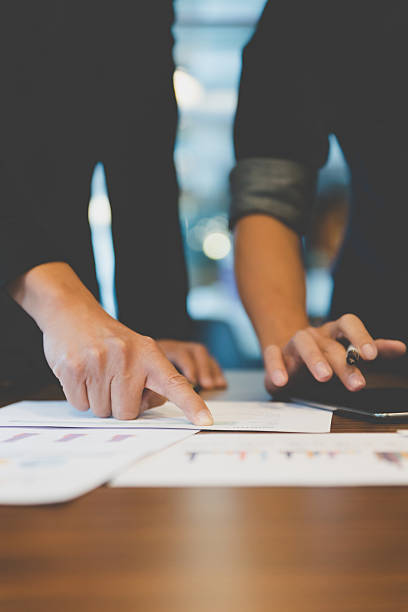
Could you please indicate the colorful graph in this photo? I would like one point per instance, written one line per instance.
(395, 458)
(120, 437)
(241, 455)
(316, 454)
(71, 436)
(264, 455)
(20, 436)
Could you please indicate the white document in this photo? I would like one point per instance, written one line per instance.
(228, 416)
(42, 466)
(275, 460)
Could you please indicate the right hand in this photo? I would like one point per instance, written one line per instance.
(103, 365)
(317, 350)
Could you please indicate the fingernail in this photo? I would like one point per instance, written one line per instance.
(356, 381)
(369, 351)
(278, 378)
(221, 381)
(204, 418)
(322, 370)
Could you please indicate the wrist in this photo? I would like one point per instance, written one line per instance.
(50, 291)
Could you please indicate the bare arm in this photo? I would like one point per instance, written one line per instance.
(270, 276)
(101, 364)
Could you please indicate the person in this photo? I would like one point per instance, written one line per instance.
(82, 82)
(313, 69)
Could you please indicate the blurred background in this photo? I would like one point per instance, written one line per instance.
(210, 35)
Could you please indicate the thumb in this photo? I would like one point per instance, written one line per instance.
(390, 349)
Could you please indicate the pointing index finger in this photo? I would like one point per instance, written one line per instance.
(164, 379)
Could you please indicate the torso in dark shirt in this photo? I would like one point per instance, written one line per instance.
(340, 67)
(84, 81)
(66, 60)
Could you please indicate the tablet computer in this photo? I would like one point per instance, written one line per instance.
(378, 404)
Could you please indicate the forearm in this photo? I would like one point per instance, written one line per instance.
(48, 290)
(270, 278)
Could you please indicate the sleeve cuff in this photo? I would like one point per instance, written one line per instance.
(279, 188)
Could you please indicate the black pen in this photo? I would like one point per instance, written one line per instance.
(352, 355)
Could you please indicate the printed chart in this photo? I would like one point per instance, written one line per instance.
(40, 466)
(281, 460)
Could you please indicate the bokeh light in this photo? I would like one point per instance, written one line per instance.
(217, 245)
(189, 91)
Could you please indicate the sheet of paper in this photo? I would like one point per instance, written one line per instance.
(42, 466)
(228, 416)
(275, 460)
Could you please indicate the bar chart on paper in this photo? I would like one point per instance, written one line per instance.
(276, 460)
(49, 465)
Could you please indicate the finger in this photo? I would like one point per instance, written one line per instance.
(218, 376)
(390, 349)
(99, 396)
(275, 366)
(150, 399)
(310, 353)
(126, 396)
(335, 354)
(76, 394)
(186, 363)
(72, 375)
(203, 366)
(164, 379)
(352, 328)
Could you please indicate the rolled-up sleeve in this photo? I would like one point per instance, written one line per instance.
(280, 188)
(282, 121)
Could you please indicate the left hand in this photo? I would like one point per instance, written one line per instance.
(317, 350)
(195, 362)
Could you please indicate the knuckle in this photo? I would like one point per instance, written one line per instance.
(96, 357)
(348, 318)
(119, 350)
(177, 381)
(327, 347)
(148, 343)
(75, 366)
(118, 344)
(300, 336)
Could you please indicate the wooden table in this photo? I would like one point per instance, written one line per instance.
(218, 550)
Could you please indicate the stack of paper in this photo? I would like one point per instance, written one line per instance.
(42, 466)
(50, 452)
(228, 416)
(279, 460)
